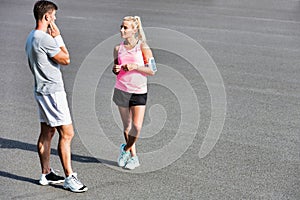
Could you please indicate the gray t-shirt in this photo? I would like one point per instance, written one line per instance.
(40, 48)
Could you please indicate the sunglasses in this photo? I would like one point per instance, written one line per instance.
(125, 27)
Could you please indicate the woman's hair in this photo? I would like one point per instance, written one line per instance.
(137, 24)
(41, 7)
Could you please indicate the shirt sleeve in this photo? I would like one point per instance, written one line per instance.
(49, 45)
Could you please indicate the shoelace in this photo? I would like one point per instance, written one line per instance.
(124, 153)
(76, 180)
(132, 160)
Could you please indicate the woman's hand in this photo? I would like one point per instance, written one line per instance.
(129, 67)
(116, 69)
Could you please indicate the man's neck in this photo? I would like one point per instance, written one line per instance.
(41, 26)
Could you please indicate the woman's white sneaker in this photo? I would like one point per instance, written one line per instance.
(123, 157)
(132, 163)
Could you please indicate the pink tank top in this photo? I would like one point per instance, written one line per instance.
(131, 81)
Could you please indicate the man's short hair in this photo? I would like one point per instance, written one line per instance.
(42, 7)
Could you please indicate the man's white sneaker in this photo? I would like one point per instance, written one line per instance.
(72, 183)
(51, 178)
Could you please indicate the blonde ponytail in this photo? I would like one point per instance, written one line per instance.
(137, 24)
(141, 34)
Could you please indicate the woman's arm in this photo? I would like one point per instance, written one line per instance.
(147, 54)
(116, 68)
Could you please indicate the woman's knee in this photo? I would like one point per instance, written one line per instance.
(127, 129)
(137, 127)
(127, 126)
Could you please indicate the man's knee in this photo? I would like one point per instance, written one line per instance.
(47, 131)
(66, 131)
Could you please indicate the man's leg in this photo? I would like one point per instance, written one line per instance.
(66, 133)
(44, 146)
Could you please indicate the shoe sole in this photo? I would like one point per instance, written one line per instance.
(77, 191)
(121, 165)
(131, 168)
(52, 182)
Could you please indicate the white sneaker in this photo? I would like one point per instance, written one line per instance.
(123, 157)
(132, 163)
(72, 183)
(51, 178)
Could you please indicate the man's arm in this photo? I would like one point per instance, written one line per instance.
(63, 57)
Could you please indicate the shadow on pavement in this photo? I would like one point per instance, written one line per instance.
(13, 144)
(17, 177)
(25, 179)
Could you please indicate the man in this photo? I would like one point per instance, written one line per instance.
(46, 51)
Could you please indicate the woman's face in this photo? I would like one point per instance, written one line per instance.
(127, 30)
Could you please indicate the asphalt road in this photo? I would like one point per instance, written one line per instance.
(255, 46)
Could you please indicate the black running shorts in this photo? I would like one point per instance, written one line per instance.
(125, 99)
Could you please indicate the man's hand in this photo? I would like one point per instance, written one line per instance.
(53, 29)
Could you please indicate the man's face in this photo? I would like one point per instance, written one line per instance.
(50, 16)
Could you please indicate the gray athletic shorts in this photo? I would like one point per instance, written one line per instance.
(54, 109)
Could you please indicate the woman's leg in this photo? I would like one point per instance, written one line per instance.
(126, 119)
(137, 115)
(126, 115)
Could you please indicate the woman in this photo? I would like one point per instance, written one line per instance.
(133, 62)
